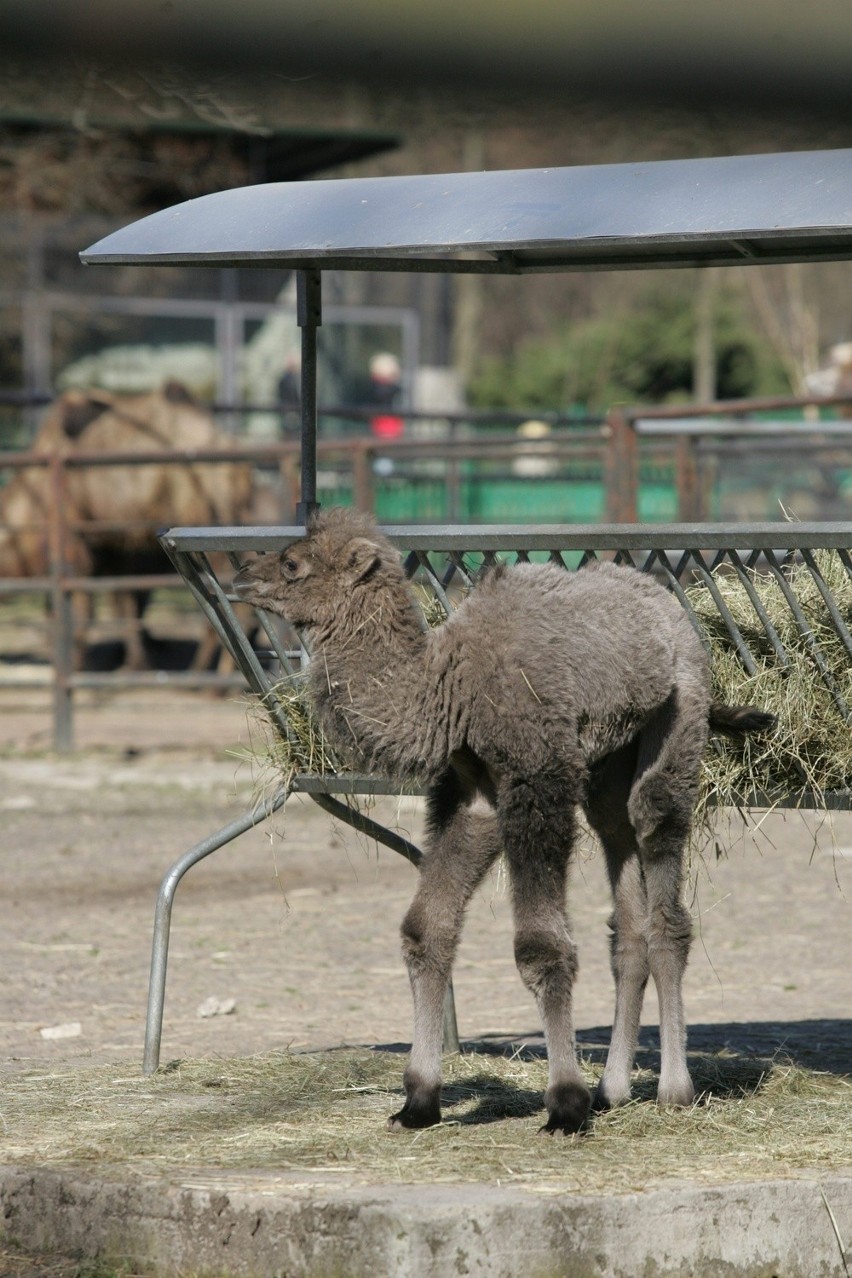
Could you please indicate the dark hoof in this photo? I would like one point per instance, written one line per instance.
(422, 1106)
(415, 1114)
(568, 1106)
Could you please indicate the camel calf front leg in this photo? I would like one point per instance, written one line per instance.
(462, 847)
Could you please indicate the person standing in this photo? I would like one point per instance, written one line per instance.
(385, 387)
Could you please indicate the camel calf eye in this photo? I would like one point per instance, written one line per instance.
(291, 565)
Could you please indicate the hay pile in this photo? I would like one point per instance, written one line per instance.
(808, 757)
(326, 1111)
(304, 749)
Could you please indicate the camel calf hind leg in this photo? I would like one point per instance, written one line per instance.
(537, 825)
(606, 810)
(660, 807)
(669, 937)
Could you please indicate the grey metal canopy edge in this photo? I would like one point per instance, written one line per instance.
(790, 207)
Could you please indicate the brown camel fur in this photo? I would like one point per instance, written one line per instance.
(545, 690)
(142, 498)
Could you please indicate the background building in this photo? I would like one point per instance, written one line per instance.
(91, 141)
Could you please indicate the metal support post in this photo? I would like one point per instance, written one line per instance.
(451, 1028)
(366, 825)
(687, 480)
(309, 318)
(163, 916)
(61, 610)
(362, 478)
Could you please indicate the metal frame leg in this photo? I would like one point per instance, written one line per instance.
(163, 915)
(451, 1025)
(169, 885)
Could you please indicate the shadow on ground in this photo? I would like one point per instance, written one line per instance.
(726, 1060)
(824, 1045)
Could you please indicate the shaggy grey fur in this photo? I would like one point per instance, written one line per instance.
(545, 690)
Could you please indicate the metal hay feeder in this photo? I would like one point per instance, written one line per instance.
(737, 210)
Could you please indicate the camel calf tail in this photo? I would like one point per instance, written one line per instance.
(737, 721)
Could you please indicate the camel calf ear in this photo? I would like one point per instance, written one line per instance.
(362, 558)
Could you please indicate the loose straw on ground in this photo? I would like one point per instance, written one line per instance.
(326, 1111)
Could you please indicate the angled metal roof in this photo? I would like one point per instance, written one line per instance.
(733, 210)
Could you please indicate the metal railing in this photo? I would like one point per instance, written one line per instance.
(444, 478)
(349, 472)
(697, 437)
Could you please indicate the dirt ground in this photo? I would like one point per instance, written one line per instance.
(297, 921)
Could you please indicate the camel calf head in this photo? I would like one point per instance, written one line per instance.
(316, 580)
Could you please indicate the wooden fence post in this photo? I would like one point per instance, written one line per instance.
(363, 494)
(621, 469)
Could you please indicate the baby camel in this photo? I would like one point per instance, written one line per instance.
(545, 690)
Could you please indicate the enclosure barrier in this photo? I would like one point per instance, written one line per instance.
(701, 434)
(57, 534)
(347, 471)
(681, 442)
(445, 562)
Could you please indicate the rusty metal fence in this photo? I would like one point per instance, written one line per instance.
(56, 534)
(697, 438)
(682, 443)
(350, 471)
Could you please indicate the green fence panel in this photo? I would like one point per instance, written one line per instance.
(489, 501)
(657, 503)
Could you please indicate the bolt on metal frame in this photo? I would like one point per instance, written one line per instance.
(724, 211)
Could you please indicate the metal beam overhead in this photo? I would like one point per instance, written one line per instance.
(733, 210)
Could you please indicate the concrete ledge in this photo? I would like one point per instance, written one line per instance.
(266, 1226)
